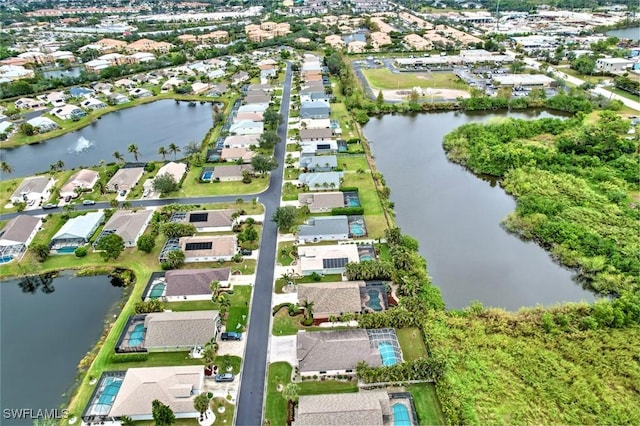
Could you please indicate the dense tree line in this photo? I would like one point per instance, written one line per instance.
(572, 181)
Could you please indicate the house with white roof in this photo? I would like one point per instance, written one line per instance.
(326, 259)
(43, 124)
(97, 65)
(240, 141)
(93, 103)
(68, 112)
(77, 231)
(247, 127)
(175, 170)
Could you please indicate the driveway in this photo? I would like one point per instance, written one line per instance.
(283, 348)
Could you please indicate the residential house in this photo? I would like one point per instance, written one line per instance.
(209, 248)
(319, 147)
(173, 169)
(93, 104)
(315, 109)
(334, 352)
(331, 299)
(329, 259)
(146, 45)
(308, 135)
(321, 202)
(321, 181)
(326, 228)
(68, 112)
(6, 127)
(117, 98)
(129, 224)
(207, 220)
(35, 188)
(380, 39)
(239, 77)
(176, 331)
(415, 42)
(54, 98)
(253, 108)
(334, 41)
(176, 387)
(310, 123)
(108, 45)
(314, 164)
(198, 87)
(43, 124)
(142, 57)
(247, 127)
(62, 55)
(84, 179)
(139, 92)
(29, 103)
(81, 92)
(237, 154)
(252, 116)
(240, 141)
(257, 97)
(16, 236)
(364, 408)
(114, 59)
(125, 83)
(125, 179)
(97, 65)
(188, 284)
(77, 231)
(231, 173)
(218, 90)
(356, 46)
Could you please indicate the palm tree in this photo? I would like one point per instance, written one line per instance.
(101, 187)
(201, 403)
(173, 148)
(5, 167)
(118, 156)
(290, 392)
(60, 165)
(308, 309)
(133, 149)
(163, 151)
(214, 286)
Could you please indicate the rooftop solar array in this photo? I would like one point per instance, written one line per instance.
(207, 245)
(334, 263)
(198, 217)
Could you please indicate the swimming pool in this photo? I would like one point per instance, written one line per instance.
(387, 353)
(157, 290)
(206, 175)
(105, 396)
(5, 259)
(68, 249)
(357, 229)
(365, 257)
(374, 300)
(136, 336)
(401, 415)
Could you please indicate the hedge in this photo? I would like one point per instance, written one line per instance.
(349, 188)
(277, 308)
(347, 211)
(132, 357)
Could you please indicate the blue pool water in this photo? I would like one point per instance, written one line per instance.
(374, 302)
(5, 259)
(353, 202)
(387, 353)
(365, 257)
(137, 335)
(357, 229)
(206, 176)
(157, 290)
(401, 415)
(69, 249)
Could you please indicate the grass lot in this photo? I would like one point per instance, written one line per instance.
(7, 187)
(222, 419)
(291, 174)
(292, 147)
(284, 325)
(276, 406)
(239, 310)
(327, 386)
(411, 343)
(290, 192)
(426, 403)
(192, 187)
(193, 305)
(308, 280)
(155, 359)
(339, 112)
(383, 79)
(284, 253)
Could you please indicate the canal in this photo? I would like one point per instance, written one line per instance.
(149, 126)
(456, 217)
(47, 327)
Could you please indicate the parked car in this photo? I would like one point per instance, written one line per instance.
(246, 252)
(123, 193)
(67, 198)
(231, 335)
(88, 202)
(225, 377)
(50, 206)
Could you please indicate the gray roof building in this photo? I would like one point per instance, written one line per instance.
(332, 298)
(206, 219)
(78, 230)
(128, 224)
(324, 228)
(19, 229)
(364, 408)
(31, 187)
(320, 181)
(167, 330)
(232, 172)
(319, 163)
(187, 282)
(335, 350)
(321, 201)
(315, 109)
(315, 134)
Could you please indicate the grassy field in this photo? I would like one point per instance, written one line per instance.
(192, 187)
(411, 343)
(426, 403)
(276, 406)
(284, 325)
(327, 386)
(239, 310)
(384, 79)
(222, 419)
(284, 250)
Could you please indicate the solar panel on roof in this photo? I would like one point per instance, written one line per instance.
(198, 246)
(198, 217)
(334, 263)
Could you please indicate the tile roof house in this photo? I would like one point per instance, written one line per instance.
(77, 231)
(34, 188)
(253, 108)
(230, 173)
(16, 236)
(315, 109)
(332, 299)
(125, 178)
(329, 259)
(247, 127)
(210, 220)
(321, 202)
(176, 170)
(315, 134)
(240, 141)
(84, 179)
(364, 408)
(43, 124)
(237, 154)
(209, 248)
(130, 225)
(318, 163)
(334, 352)
(321, 181)
(68, 112)
(193, 284)
(174, 386)
(324, 228)
(176, 331)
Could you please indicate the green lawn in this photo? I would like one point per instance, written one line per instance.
(427, 405)
(284, 325)
(291, 174)
(194, 305)
(276, 406)
(292, 147)
(373, 213)
(328, 386)
(411, 343)
(154, 359)
(239, 310)
(192, 187)
(290, 192)
(284, 253)
(7, 187)
(222, 419)
(382, 78)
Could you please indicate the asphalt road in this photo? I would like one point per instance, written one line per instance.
(254, 369)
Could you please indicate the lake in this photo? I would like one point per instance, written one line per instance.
(149, 126)
(632, 33)
(64, 72)
(47, 327)
(456, 216)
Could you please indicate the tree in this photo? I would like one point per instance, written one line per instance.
(163, 151)
(263, 163)
(175, 259)
(174, 149)
(285, 217)
(126, 421)
(27, 129)
(201, 403)
(214, 286)
(268, 139)
(516, 67)
(177, 229)
(165, 183)
(380, 98)
(110, 246)
(308, 306)
(146, 243)
(291, 392)
(413, 96)
(584, 64)
(192, 148)
(148, 306)
(40, 250)
(118, 156)
(5, 167)
(133, 149)
(162, 414)
(272, 118)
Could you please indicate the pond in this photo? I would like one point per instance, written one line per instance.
(48, 325)
(149, 126)
(632, 33)
(456, 216)
(62, 72)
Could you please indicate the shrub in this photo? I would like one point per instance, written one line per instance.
(316, 276)
(149, 167)
(349, 211)
(153, 305)
(132, 357)
(349, 188)
(277, 308)
(81, 252)
(307, 322)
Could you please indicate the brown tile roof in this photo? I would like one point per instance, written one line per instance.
(223, 245)
(215, 218)
(19, 229)
(179, 329)
(332, 298)
(335, 350)
(189, 282)
(316, 134)
(365, 408)
(128, 224)
(323, 200)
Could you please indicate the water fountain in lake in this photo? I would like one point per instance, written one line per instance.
(82, 144)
